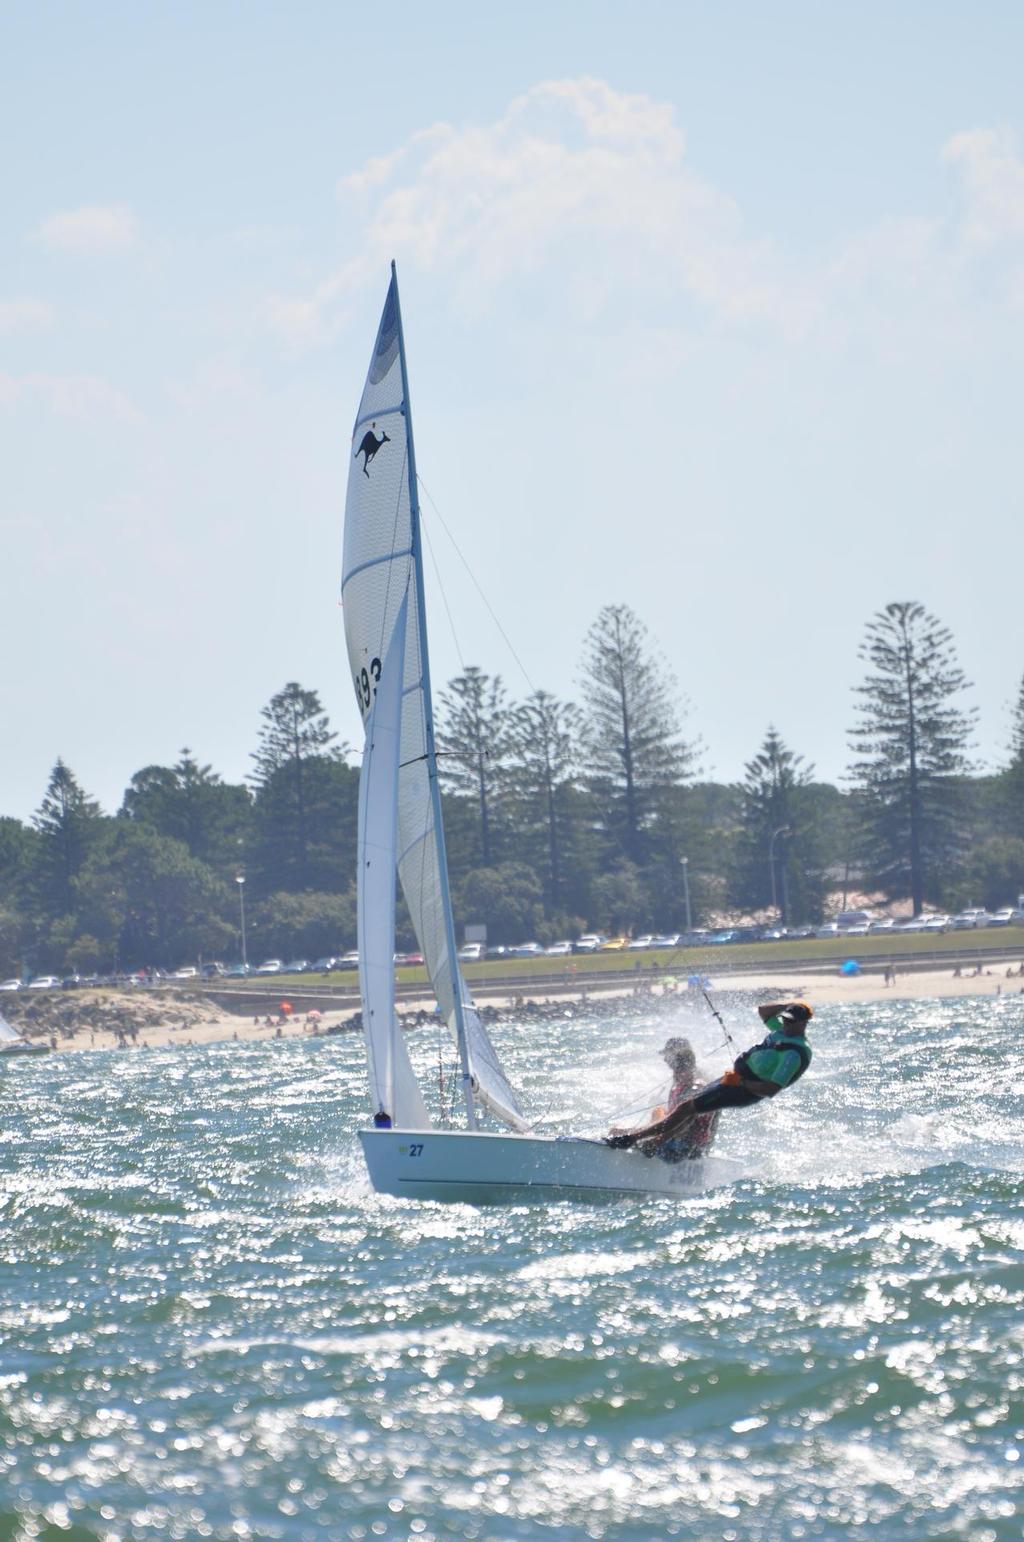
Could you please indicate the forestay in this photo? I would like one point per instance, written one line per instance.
(382, 596)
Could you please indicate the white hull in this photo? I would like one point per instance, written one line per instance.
(476, 1168)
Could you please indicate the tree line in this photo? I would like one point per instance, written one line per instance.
(561, 817)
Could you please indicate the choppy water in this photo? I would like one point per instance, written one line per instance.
(209, 1327)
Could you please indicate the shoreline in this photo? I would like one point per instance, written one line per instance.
(187, 1022)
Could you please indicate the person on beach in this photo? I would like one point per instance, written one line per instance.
(760, 1072)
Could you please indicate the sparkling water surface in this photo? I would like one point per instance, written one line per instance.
(211, 1327)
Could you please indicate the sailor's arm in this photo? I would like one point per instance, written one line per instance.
(770, 1009)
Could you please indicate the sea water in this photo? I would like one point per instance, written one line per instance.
(210, 1327)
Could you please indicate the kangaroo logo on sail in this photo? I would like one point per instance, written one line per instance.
(369, 447)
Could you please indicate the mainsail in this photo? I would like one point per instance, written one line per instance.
(9, 1038)
(382, 594)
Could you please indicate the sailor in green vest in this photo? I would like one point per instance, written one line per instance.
(761, 1072)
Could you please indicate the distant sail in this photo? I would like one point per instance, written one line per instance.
(379, 586)
(10, 1040)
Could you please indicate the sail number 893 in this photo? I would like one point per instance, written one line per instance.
(366, 684)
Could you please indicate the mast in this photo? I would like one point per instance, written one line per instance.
(428, 718)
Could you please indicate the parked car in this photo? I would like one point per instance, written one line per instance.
(499, 950)
(1002, 917)
(669, 940)
(884, 924)
(613, 945)
(214, 971)
(589, 942)
(10, 985)
(270, 966)
(325, 965)
(237, 971)
(349, 960)
(186, 972)
(558, 950)
(413, 958)
(847, 920)
(44, 982)
(937, 923)
(471, 953)
(297, 966)
(526, 950)
(827, 929)
(71, 982)
(966, 920)
(638, 944)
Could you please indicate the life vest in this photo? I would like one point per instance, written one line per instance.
(780, 1042)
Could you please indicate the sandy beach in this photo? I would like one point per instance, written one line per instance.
(109, 1019)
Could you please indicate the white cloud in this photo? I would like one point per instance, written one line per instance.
(946, 271)
(217, 383)
(25, 315)
(992, 179)
(579, 180)
(574, 172)
(85, 397)
(92, 229)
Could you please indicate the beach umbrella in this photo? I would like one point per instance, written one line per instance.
(314, 1015)
(850, 967)
(286, 1007)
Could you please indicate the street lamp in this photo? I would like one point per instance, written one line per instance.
(686, 892)
(240, 880)
(782, 830)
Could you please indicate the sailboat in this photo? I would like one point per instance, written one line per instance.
(12, 1043)
(401, 832)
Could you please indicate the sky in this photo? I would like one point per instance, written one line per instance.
(714, 310)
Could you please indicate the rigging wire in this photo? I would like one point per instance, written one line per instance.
(720, 1020)
(477, 585)
(440, 584)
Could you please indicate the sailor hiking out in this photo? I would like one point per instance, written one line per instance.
(760, 1072)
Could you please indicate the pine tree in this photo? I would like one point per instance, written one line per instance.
(1013, 776)
(634, 749)
(912, 739)
(300, 778)
(189, 802)
(543, 773)
(473, 745)
(68, 822)
(778, 859)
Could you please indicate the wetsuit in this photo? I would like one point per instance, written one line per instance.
(781, 1058)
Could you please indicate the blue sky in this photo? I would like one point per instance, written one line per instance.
(712, 309)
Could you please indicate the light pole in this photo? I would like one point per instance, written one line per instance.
(782, 830)
(686, 892)
(240, 880)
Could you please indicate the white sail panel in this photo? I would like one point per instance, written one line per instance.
(378, 578)
(7, 1033)
(393, 1083)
